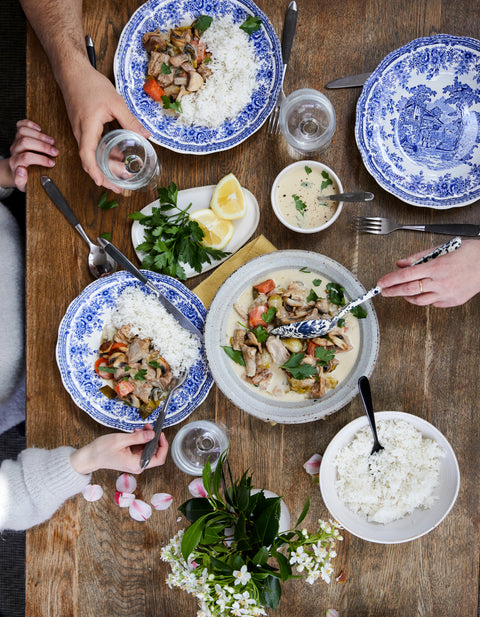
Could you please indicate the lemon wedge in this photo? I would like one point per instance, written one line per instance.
(228, 201)
(218, 231)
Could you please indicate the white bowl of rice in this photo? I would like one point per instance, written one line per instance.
(397, 495)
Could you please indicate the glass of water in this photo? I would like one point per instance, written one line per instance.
(128, 160)
(307, 121)
(197, 442)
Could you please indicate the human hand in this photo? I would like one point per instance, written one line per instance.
(91, 102)
(449, 280)
(119, 451)
(30, 147)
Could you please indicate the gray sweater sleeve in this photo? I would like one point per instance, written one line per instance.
(34, 486)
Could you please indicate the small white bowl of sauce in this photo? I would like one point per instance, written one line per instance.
(299, 196)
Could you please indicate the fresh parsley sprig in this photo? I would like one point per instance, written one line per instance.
(172, 239)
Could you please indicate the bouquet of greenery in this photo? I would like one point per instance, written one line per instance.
(233, 557)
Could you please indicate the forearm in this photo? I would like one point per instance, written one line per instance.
(58, 25)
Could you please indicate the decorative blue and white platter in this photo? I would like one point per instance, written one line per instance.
(131, 61)
(417, 122)
(79, 337)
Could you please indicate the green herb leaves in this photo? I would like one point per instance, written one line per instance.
(172, 239)
(336, 294)
(300, 205)
(308, 170)
(203, 22)
(298, 370)
(104, 204)
(168, 104)
(251, 24)
(234, 354)
(327, 180)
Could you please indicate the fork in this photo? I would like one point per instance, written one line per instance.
(151, 446)
(289, 26)
(378, 225)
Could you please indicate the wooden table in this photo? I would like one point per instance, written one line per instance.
(92, 559)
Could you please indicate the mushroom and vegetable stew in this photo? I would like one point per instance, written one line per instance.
(289, 368)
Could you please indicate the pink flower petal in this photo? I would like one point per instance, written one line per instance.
(126, 483)
(312, 466)
(139, 510)
(124, 500)
(92, 492)
(196, 488)
(332, 613)
(161, 501)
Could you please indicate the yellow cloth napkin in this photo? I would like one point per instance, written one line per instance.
(207, 289)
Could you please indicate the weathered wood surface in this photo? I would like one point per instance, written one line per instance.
(92, 559)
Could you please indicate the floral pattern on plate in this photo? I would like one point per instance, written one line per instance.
(79, 337)
(130, 66)
(418, 122)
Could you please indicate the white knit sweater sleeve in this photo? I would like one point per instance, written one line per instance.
(34, 486)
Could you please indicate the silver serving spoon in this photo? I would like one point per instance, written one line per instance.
(366, 394)
(99, 262)
(311, 328)
(357, 196)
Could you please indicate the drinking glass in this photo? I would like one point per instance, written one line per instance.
(128, 160)
(307, 121)
(198, 442)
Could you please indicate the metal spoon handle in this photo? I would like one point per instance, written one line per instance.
(358, 196)
(366, 394)
(59, 200)
(360, 300)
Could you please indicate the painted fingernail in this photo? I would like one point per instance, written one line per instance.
(54, 151)
(126, 483)
(51, 163)
(161, 501)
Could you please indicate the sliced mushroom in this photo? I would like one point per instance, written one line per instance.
(195, 81)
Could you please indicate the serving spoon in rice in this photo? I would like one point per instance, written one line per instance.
(366, 394)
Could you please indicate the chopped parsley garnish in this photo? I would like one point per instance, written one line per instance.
(298, 370)
(312, 296)
(140, 376)
(251, 24)
(317, 282)
(305, 269)
(203, 22)
(324, 356)
(104, 204)
(336, 294)
(165, 69)
(261, 334)
(269, 315)
(234, 354)
(171, 238)
(327, 180)
(155, 364)
(107, 369)
(168, 104)
(359, 312)
(341, 322)
(308, 169)
(299, 204)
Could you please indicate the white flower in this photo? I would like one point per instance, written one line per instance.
(242, 576)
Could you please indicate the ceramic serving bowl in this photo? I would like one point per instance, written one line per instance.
(412, 526)
(269, 408)
(296, 197)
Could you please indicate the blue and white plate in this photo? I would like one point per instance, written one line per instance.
(79, 337)
(130, 67)
(418, 121)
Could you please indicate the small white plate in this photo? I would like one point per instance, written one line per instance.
(200, 198)
(410, 527)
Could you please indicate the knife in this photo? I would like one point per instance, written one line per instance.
(352, 81)
(353, 197)
(123, 261)
(151, 446)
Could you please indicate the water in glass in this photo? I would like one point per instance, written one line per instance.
(198, 442)
(128, 160)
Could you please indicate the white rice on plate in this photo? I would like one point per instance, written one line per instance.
(390, 484)
(149, 319)
(230, 86)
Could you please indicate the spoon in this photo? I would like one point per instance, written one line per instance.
(311, 328)
(99, 263)
(358, 196)
(366, 394)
